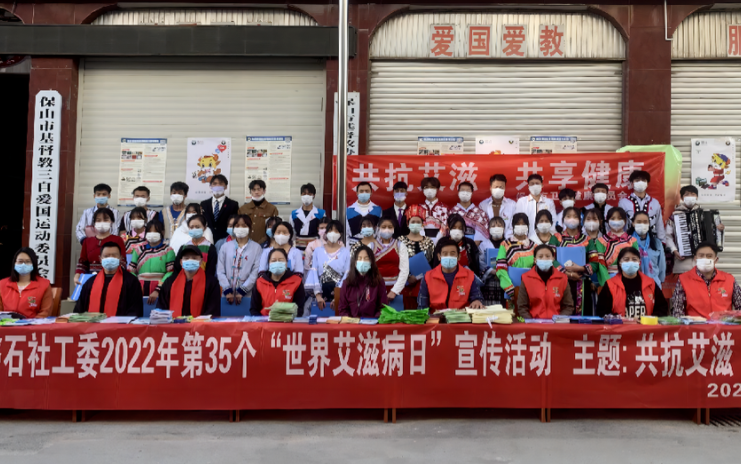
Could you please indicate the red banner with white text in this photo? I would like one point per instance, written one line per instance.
(227, 366)
(577, 171)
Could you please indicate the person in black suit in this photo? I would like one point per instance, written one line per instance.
(396, 212)
(218, 216)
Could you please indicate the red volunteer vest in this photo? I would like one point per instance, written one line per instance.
(703, 300)
(648, 287)
(545, 297)
(27, 302)
(284, 292)
(457, 297)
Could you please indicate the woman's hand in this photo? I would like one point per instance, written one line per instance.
(238, 298)
(230, 298)
(476, 305)
(77, 279)
(320, 301)
(678, 256)
(153, 297)
(575, 268)
(411, 280)
(391, 296)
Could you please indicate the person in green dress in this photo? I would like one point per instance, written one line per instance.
(153, 262)
(543, 225)
(604, 255)
(516, 251)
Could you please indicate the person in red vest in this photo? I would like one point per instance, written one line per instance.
(114, 291)
(190, 290)
(25, 292)
(704, 290)
(544, 291)
(448, 285)
(631, 293)
(278, 283)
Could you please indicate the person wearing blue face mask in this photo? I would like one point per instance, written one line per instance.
(449, 285)
(631, 293)
(278, 284)
(190, 291)
(218, 209)
(359, 210)
(544, 291)
(25, 292)
(114, 291)
(229, 231)
(363, 290)
(86, 225)
(196, 228)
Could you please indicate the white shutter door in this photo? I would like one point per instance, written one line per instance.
(179, 98)
(409, 99)
(706, 103)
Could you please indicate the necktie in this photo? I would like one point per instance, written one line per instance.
(401, 214)
(216, 211)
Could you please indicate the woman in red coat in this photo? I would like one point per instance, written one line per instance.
(25, 292)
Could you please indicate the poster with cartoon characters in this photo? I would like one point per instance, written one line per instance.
(714, 169)
(207, 157)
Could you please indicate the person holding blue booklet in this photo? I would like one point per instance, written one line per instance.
(492, 290)
(417, 244)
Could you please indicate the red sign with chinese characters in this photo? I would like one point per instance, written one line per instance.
(479, 40)
(577, 171)
(227, 366)
(442, 40)
(514, 41)
(734, 40)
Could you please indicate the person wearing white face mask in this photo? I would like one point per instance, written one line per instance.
(329, 264)
(572, 237)
(515, 252)
(492, 290)
(415, 243)
(397, 212)
(653, 260)
(600, 193)
(477, 221)
(306, 219)
(153, 262)
(196, 232)
(181, 235)
(631, 293)
(639, 200)
(219, 208)
(140, 200)
(468, 251)
(259, 210)
(689, 195)
(437, 212)
(536, 201)
(89, 262)
(318, 243)
(239, 262)
(135, 237)
(604, 255)
(283, 238)
(86, 226)
(497, 205)
(567, 197)
(543, 227)
(544, 291)
(356, 212)
(174, 213)
(705, 289)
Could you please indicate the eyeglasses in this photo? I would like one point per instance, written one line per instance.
(24, 262)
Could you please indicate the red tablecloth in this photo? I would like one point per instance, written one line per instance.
(291, 366)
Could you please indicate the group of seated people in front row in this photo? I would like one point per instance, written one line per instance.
(305, 260)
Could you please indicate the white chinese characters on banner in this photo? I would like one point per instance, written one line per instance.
(498, 145)
(207, 157)
(439, 146)
(143, 162)
(714, 169)
(45, 180)
(543, 144)
(269, 159)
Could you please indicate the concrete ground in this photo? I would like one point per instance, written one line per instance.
(429, 436)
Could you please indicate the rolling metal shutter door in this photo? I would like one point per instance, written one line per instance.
(409, 99)
(177, 98)
(706, 103)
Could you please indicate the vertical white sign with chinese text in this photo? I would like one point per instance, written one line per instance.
(207, 157)
(143, 162)
(269, 159)
(353, 123)
(550, 41)
(498, 145)
(45, 180)
(714, 169)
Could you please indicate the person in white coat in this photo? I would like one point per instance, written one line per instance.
(181, 237)
(497, 205)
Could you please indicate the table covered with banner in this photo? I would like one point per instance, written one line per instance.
(232, 366)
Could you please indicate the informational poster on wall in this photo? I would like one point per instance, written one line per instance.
(544, 144)
(714, 169)
(269, 159)
(143, 162)
(207, 157)
(435, 146)
(498, 145)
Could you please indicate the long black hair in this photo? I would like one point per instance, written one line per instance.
(353, 276)
(651, 236)
(14, 276)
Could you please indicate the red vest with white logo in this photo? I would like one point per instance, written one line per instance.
(617, 289)
(283, 292)
(703, 300)
(454, 298)
(545, 297)
(27, 302)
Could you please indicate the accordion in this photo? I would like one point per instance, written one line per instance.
(695, 227)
